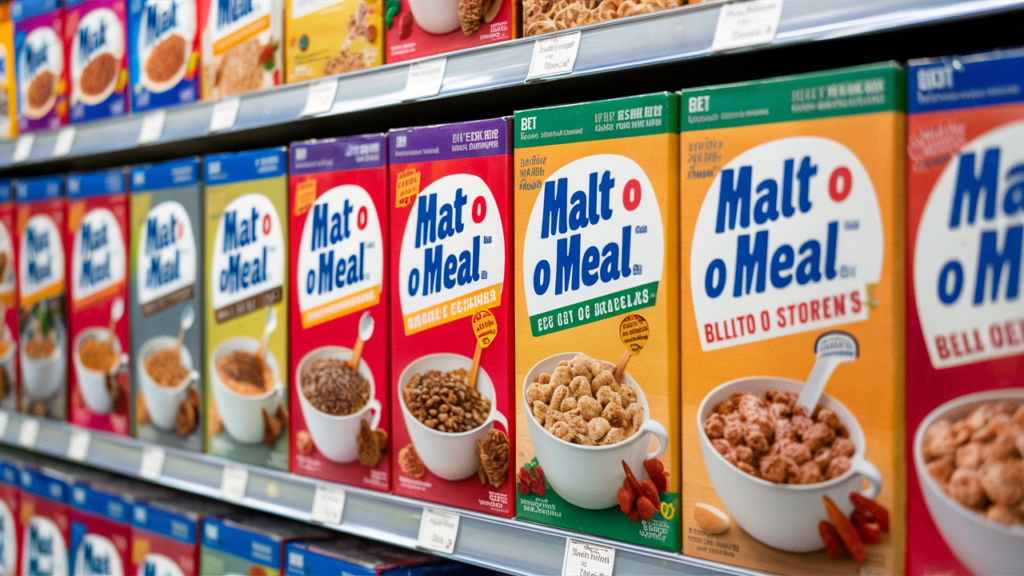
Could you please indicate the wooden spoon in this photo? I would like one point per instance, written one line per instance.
(268, 329)
(365, 331)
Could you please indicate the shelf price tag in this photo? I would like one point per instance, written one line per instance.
(438, 530)
(23, 148)
(152, 126)
(320, 97)
(152, 462)
(425, 79)
(554, 56)
(5, 419)
(65, 140)
(225, 112)
(586, 558)
(78, 446)
(328, 504)
(745, 24)
(28, 434)
(233, 483)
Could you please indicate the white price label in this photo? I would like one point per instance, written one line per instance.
(152, 462)
(745, 24)
(225, 112)
(328, 504)
(65, 140)
(425, 79)
(586, 558)
(5, 419)
(438, 530)
(554, 56)
(152, 126)
(320, 97)
(28, 433)
(78, 446)
(233, 483)
(23, 148)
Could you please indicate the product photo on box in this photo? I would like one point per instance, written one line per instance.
(42, 72)
(96, 52)
(164, 44)
(9, 374)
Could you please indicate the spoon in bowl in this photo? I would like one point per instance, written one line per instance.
(268, 329)
(188, 316)
(832, 349)
(116, 313)
(365, 331)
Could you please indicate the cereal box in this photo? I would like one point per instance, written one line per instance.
(332, 37)
(451, 314)
(247, 306)
(42, 76)
(165, 534)
(249, 544)
(42, 328)
(965, 318)
(96, 52)
(542, 16)
(164, 43)
(166, 284)
(792, 268)
(11, 389)
(10, 518)
(242, 46)
(8, 85)
(597, 333)
(101, 530)
(339, 311)
(420, 28)
(358, 556)
(96, 239)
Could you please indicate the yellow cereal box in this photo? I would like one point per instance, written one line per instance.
(792, 322)
(597, 318)
(325, 37)
(8, 87)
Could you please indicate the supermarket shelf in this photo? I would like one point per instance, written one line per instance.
(672, 36)
(504, 545)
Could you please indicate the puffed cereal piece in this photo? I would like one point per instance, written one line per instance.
(562, 376)
(941, 469)
(844, 447)
(563, 431)
(725, 449)
(580, 388)
(615, 414)
(563, 363)
(603, 379)
(637, 418)
(801, 423)
(544, 378)
(818, 435)
(823, 457)
(938, 440)
(726, 407)
(776, 468)
(748, 469)
(781, 397)
(1002, 447)
(809, 473)
(605, 396)
(539, 392)
(755, 438)
(597, 428)
(780, 412)
(629, 394)
(614, 436)
(962, 432)
(714, 426)
(584, 440)
(795, 451)
(1003, 482)
(733, 432)
(1003, 515)
(826, 416)
(965, 487)
(552, 417)
(1018, 417)
(589, 408)
(993, 428)
(838, 466)
(556, 399)
(581, 367)
(744, 454)
(540, 411)
(784, 430)
(1020, 443)
(578, 423)
(568, 404)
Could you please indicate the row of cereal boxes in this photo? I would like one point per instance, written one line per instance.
(79, 60)
(617, 317)
(57, 519)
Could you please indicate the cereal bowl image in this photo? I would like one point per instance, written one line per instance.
(586, 468)
(167, 63)
(967, 453)
(43, 363)
(447, 445)
(436, 16)
(164, 379)
(775, 502)
(335, 400)
(96, 358)
(243, 388)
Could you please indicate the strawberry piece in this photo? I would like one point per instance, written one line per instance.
(656, 472)
(635, 515)
(539, 473)
(876, 510)
(870, 532)
(538, 487)
(847, 531)
(633, 483)
(524, 489)
(833, 545)
(647, 490)
(646, 508)
(626, 501)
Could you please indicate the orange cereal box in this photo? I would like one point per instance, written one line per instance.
(792, 322)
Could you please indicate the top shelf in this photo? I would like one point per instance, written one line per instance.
(659, 38)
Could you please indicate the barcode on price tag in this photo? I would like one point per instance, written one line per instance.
(5, 419)
(23, 148)
(328, 504)
(320, 97)
(152, 465)
(28, 433)
(745, 24)
(586, 558)
(425, 79)
(438, 530)
(225, 112)
(65, 140)
(233, 483)
(152, 126)
(554, 56)
(78, 446)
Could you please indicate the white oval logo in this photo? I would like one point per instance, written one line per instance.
(248, 257)
(97, 555)
(41, 53)
(98, 33)
(166, 260)
(41, 265)
(44, 551)
(159, 565)
(788, 240)
(160, 22)
(98, 255)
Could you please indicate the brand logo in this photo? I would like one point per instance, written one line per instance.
(98, 256)
(42, 256)
(594, 244)
(97, 555)
(231, 11)
(44, 552)
(699, 103)
(788, 240)
(453, 253)
(937, 78)
(35, 57)
(160, 18)
(159, 565)
(248, 258)
(968, 252)
(166, 262)
(91, 39)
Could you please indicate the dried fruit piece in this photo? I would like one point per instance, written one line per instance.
(538, 487)
(870, 532)
(829, 536)
(847, 531)
(304, 442)
(626, 501)
(493, 452)
(710, 519)
(646, 508)
(410, 463)
(271, 428)
(406, 26)
(186, 418)
(648, 490)
(631, 479)
(876, 511)
(369, 451)
(656, 472)
(524, 488)
(538, 472)
(635, 515)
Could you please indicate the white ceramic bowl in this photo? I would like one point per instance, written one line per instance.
(162, 401)
(93, 383)
(335, 436)
(44, 378)
(242, 414)
(590, 476)
(783, 516)
(983, 546)
(436, 16)
(451, 456)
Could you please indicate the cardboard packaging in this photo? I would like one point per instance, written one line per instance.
(792, 268)
(540, 18)
(247, 301)
(166, 282)
(165, 41)
(242, 48)
(166, 533)
(96, 52)
(8, 83)
(597, 286)
(339, 311)
(965, 335)
(97, 242)
(42, 74)
(249, 544)
(43, 335)
(101, 530)
(451, 311)
(360, 557)
(423, 28)
(9, 375)
(332, 37)
(10, 517)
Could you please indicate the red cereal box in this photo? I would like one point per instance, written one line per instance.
(11, 388)
(96, 239)
(452, 333)
(422, 28)
(10, 518)
(339, 311)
